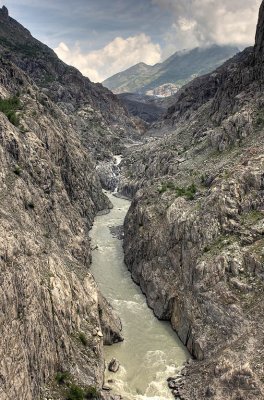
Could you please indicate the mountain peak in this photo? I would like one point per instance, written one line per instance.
(4, 13)
(177, 70)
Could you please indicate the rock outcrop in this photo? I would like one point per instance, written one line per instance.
(113, 365)
(53, 319)
(194, 232)
(4, 14)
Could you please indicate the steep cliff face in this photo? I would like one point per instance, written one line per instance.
(53, 319)
(194, 232)
(96, 113)
(200, 264)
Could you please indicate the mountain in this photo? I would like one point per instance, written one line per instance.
(148, 108)
(98, 114)
(194, 232)
(55, 126)
(193, 236)
(129, 79)
(178, 69)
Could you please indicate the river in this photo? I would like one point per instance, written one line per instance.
(151, 351)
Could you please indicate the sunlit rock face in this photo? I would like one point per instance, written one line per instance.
(53, 318)
(194, 231)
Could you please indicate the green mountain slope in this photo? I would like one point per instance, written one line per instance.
(178, 69)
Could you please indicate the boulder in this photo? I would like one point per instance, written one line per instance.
(114, 365)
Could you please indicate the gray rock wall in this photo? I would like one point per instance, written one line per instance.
(49, 301)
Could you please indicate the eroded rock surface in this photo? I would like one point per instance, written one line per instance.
(194, 232)
(50, 306)
(93, 111)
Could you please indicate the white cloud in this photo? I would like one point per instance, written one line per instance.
(116, 56)
(203, 22)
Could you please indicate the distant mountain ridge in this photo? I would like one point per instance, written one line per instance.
(178, 70)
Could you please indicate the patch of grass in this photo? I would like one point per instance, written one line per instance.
(83, 339)
(167, 186)
(188, 192)
(9, 107)
(62, 377)
(75, 393)
(219, 244)
(17, 170)
(91, 393)
(251, 217)
(203, 179)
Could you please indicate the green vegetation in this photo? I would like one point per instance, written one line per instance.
(187, 192)
(62, 377)
(75, 392)
(220, 243)
(91, 393)
(177, 69)
(252, 217)
(72, 391)
(17, 170)
(167, 186)
(83, 339)
(9, 108)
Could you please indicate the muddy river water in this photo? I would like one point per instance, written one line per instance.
(151, 351)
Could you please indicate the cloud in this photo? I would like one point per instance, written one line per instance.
(116, 56)
(203, 22)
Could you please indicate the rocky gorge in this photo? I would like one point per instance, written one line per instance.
(193, 236)
(54, 321)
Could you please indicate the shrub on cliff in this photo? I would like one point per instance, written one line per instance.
(187, 192)
(83, 339)
(75, 393)
(62, 377)
(9, 107)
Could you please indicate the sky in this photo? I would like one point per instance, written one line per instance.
(104, 37)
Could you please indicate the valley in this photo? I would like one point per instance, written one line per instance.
(130, 233)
